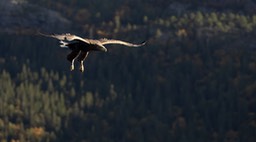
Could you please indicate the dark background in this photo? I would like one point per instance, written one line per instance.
(194, 80)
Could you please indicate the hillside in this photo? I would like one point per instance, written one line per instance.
(193, 81)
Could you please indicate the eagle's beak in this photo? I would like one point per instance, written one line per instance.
(104, 49)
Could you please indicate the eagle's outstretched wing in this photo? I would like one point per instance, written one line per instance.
(66, 37)
(114, 41)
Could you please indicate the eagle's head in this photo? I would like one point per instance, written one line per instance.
(100, 47)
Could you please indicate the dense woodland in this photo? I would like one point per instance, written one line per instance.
(195, 80)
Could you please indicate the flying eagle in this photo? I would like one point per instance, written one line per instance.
(80, 47)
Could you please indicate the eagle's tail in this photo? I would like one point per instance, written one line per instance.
(63, 44)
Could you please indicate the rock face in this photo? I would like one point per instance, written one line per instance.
(19, 16)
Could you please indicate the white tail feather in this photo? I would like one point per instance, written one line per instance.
(63, 44)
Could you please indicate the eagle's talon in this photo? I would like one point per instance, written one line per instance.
(72, 67)
(81, 68)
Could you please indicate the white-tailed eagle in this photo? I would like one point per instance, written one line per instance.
(81, 46)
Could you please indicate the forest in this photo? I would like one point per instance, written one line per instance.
(193, 81)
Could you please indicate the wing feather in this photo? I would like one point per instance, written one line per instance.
(66, 37)
(114, 41)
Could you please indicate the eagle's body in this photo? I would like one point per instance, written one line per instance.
(81, 47)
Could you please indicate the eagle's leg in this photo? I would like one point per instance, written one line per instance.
(72, 67)
(81, 59)
(72, 57)
(81, 66)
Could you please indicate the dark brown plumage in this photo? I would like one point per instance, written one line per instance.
(81, 47)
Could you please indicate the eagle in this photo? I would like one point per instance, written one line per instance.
(80, 47)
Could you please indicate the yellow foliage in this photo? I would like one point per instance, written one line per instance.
(15, 127)
(181, 33)
(37, 131)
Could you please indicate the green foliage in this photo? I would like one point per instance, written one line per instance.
(194, 91)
